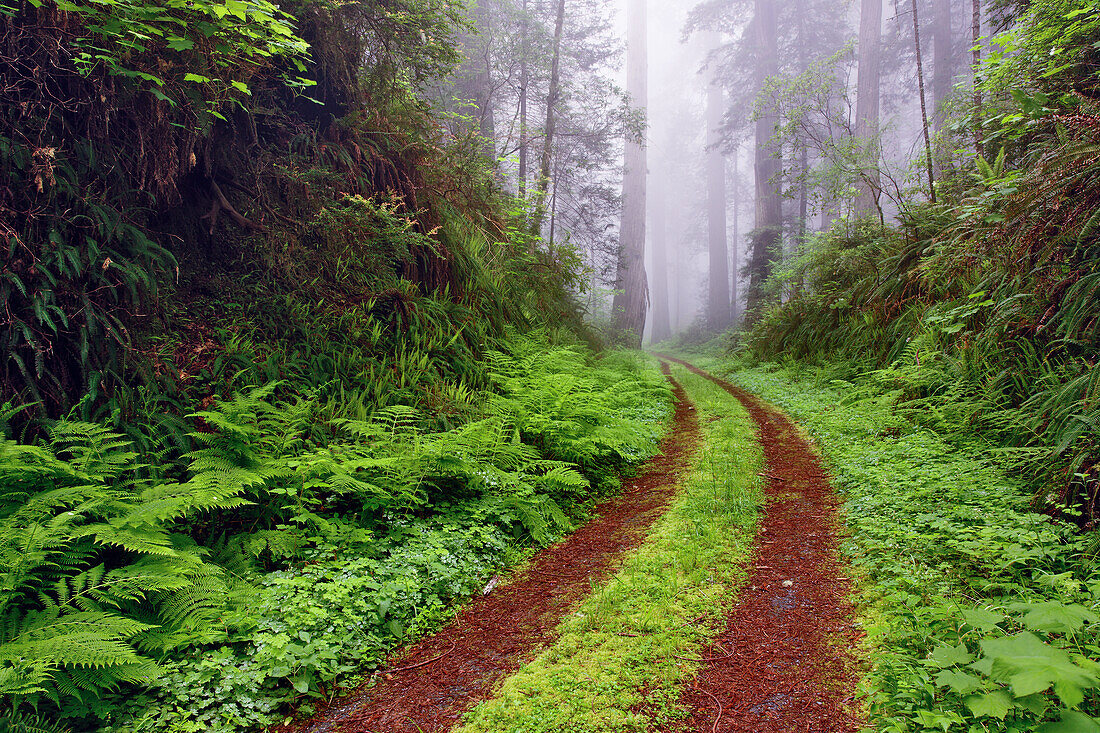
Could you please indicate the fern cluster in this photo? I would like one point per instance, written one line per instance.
(96, 579)
(292, 546)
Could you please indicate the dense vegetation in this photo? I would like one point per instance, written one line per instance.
(980, 612)
(946, 363)
(982, 309)
(285, 374)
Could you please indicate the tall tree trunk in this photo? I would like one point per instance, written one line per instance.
(524, 79)
(976, 38)
(483, 83)
(943, 61)
(735, 245)
(943, 68)
(629, 306)
(923, 106)
(552, 96)
(662, 323)
(803, 152)
(868, 83)
(803, 205)
(769, 223)
(718, 295)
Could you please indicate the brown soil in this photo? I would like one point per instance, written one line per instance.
(784, 662)
(431, 684)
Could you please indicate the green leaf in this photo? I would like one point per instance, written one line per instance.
(990, 705)
(982, 619)
(162, 96)
(197, 78)
(1072, 722)
(1055, 618)
(949, 656)
(960, 682)
(1031, 666)
(177, 43)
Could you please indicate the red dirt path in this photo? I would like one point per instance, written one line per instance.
(496, 634)
(784, 662)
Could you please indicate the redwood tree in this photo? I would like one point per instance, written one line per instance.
(631, 296)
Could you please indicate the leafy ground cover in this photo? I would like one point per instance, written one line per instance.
(620, 660)
(291, 549)
(981, 614)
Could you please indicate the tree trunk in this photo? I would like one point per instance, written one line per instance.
(943, 69)
(662, 323)
(766, 235)
(868, 91)
(718, 295)
(524, 78)
(943, 62)
(629, 306)
(735, 245)
(923, 106)
(551, 123)
(803, 151)
(483, 84)
(976, 37)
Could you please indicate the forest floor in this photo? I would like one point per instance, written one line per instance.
(433, 683)
(783, 661)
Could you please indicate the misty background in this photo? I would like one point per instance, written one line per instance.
(710, 140)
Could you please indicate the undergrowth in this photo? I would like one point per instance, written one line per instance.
(624, 653)
(980, 613)
(293, 546)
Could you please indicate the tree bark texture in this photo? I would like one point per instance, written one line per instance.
(868, 84)
(719, 315)
(769, 212)
(629, 306)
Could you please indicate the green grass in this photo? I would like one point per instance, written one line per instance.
(623, 655)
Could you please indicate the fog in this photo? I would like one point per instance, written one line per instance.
(709, 141)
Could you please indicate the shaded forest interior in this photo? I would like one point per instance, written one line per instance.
(319, 314)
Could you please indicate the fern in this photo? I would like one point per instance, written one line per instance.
(72, 619)
(15, 722)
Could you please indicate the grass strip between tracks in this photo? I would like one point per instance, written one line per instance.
(623, 655)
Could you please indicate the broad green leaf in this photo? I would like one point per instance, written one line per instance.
(1031, 666)
(1072, 722)
(960, 682)
(938, 718)
(177, 43)
(982, 619)
(991, 705)
(949, 656)
(197, 78)
(1053, 617)
(237, 8)
(1037, 704)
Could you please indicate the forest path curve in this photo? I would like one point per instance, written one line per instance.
(435, 681)
(785, 662)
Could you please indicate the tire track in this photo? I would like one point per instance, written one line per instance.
(785, 662)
